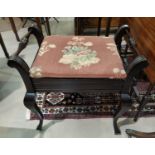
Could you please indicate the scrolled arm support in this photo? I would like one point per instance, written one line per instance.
(22, 44)
(16, 62)
(37, 33)
(24, 41)
(134, 68)
(23, 69)
(122, 31)
(137, 65)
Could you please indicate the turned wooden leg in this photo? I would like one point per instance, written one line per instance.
(4, 47)
(138, 134)
(143, 102)
(38, 23)
(125, 105)
(48, 25)
(108, 24)
(14, 28)
(99, 26)
(29, 102)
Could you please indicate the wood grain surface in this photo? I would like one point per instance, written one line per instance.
(143, 31)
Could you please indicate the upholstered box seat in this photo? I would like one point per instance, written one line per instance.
(78, 56)
(81, 65)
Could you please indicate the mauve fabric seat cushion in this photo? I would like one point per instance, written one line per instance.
(78, 56)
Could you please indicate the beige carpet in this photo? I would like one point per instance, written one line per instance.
(6, 26)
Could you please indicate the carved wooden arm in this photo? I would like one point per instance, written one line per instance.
(23, 69)
(123, 33)
(134, 68)
(17, 62)
(24, 40)
(119, 34)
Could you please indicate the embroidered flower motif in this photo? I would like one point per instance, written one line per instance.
(117, 70)
(111, 47)
(103, 37)
(77, 38)
(78, 55)
(45, 47)
(88, 44)
(52, 46)
(123, 71)
(36, 72)
(71, 43)
(67, 59)
(115, 53)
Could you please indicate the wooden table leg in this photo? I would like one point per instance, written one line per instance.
(38, 23)
(108, 24)
(3, 46)
(14, 28)
(48, 25)
(99, 26)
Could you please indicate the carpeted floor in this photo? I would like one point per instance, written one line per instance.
(60, 105)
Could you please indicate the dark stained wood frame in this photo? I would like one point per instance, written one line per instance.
(122, 86)
(139, 134)
(14, 28)
(4, 47)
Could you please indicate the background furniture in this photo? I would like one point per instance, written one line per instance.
(3, 46)
(143, 32)
(14, 28)
(40, 21)
(96, 25)
(45, 21)
(108, 25)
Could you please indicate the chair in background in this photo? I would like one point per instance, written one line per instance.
(14, 28)
(108, 24)
(4, 47)
(41, 20)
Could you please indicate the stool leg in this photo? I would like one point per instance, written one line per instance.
(48, 25)
(125, 105)
(14, 28)
(143, 102)
(29, 102)
(3, 46)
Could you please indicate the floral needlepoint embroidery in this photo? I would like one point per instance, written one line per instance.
(122, 71)
(78, 54)
(111, 47)
(117, 70)
(88, 44)
(45, 47)
(36, 72)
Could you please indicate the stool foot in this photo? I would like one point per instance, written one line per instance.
(125, 105)
(29, 102)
